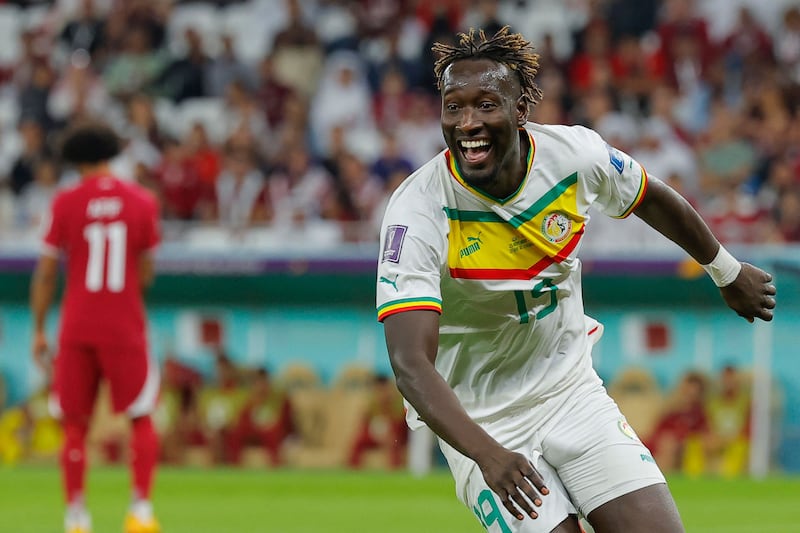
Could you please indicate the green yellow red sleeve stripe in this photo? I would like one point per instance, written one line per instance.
(409, 304)
(639, 197)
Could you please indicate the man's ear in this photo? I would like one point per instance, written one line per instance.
(522, 111)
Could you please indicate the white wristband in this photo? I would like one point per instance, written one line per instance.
(724, 268)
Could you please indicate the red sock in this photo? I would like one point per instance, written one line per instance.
(73, 459)
(144, 455)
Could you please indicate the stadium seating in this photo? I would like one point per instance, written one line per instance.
(210, 112)
(11, 25)
(252, 34)
(200, 16)
(298, 376)
(327, 420)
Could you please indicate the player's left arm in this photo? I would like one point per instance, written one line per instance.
(746, 289)
(147, 270)
(42, 291)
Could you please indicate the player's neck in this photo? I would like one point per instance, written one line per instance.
(94, 170)
(519, 168)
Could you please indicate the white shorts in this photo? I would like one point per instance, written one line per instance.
(586, 452)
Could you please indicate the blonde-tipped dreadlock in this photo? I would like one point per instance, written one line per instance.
(510, 49)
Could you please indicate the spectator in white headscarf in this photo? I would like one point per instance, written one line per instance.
(343, 99)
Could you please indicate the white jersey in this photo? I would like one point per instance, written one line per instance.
(504, 273)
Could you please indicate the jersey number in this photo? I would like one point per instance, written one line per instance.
(488, 512)
(106, 270)
(544, 287)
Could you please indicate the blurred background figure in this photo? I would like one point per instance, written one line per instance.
(29, 432)
(177, 417)
(678, 438)
(728, 410)
(298, 186)
(220, 403)
(265, 420)
(178, 183)
(37, 196)
(383, 432)
(240, 197)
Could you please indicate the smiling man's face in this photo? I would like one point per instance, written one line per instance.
(482, 109)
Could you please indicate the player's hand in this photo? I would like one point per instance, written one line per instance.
(752, 294)
(41, 352)
(512, 477)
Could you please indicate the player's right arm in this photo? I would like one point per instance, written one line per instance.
(414, 237)
(43, 288)
(152, 238)
(412, 340)
(147, 270)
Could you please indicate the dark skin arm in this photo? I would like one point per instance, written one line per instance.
(43, 288)
(412, 339)
(751, 295)
(147, 271)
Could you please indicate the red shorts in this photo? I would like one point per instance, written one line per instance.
(132, 378)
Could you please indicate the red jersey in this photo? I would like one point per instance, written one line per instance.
(103, 226)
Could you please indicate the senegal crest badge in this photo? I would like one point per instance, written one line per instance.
(556, 227)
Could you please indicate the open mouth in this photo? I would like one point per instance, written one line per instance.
(475, 152)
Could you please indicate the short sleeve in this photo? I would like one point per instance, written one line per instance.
(52, 228)
(413, 240)
(620, 182)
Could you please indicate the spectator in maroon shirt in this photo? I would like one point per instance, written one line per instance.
(687, 50)
(747, 47)
(787, 216)
(265, 420)
(637, 71)
(592, 67)
(178, 182)
(687, 418)
(392, 99)
(383, 426)
(205, 158)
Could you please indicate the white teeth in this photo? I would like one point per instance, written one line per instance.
(474, 144)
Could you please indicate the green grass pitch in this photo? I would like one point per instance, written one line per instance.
(285, 501)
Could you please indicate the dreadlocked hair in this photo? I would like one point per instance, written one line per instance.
(510, 49)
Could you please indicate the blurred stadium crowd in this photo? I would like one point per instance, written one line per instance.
(246, 417)
(235, 416)
(286, 114)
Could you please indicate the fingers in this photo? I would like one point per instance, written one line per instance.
(768, 301)
(533, 477)
(42, 361)
(525, 494)
(522, 503)
(41, 355)
(755, 297)
(525, 499)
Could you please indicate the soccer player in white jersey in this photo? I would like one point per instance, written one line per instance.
(479, 291)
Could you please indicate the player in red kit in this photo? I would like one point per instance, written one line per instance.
(106, 230)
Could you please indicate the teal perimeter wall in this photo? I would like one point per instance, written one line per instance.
(325, 316)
